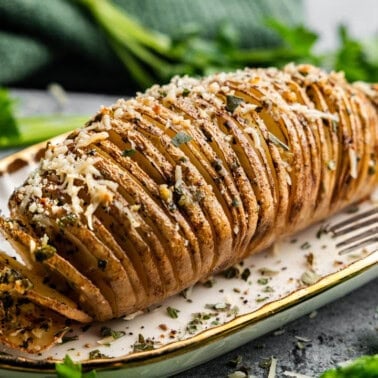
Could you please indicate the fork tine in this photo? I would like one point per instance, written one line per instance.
(360, 244)
(370, 232)
(354, 227)
(355, 218)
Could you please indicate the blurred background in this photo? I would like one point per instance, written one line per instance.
(95, 45)
(117, 47)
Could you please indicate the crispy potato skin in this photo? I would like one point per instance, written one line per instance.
(158, 192)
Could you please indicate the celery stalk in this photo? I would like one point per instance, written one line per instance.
(38, 128)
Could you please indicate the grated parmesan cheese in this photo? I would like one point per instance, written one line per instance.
(272, 368)
(312, 113)
(84, 139)
(255, 136)
(75, 173)
(131, 217)
(353, 163)
(178, 176)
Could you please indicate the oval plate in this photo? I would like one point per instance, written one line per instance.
(263, 293)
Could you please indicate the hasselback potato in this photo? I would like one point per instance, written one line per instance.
(160, 191)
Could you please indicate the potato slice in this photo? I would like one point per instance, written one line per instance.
(28, 327)
(152, 189)
(330, 151)
(142, 222)
(205, 213)
(214, 161)
(88, 295)
(284, 130)
(18, 280)
(367, 115)
(290, 92)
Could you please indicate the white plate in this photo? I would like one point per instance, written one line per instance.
(211, 320)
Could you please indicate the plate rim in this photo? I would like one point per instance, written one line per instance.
(181, 347)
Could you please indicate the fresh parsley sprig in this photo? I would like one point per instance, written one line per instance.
(363, 367)
(151, 56)
(70, 369)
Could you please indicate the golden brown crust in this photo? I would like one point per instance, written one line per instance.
(161, 191)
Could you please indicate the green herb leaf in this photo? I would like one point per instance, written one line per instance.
(107, 331)
(181, 138)
(263, 281)
(246, 273)
(129, 152)
(45, 252)
(173, 312)
(70, 369)
(261, 299)
(278, 142)
(67, 339)
(300, 39)
(232, 102)
(305, 245)
(8, 123)
(353, 60)
(143, 344)
(363, 367)
(96, 354)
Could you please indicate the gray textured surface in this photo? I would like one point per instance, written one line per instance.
(340, 331)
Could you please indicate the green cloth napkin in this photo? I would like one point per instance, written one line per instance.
(56, 40)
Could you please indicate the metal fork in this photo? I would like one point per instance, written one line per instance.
(363, 226)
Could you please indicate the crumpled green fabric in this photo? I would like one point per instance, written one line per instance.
(56, 40)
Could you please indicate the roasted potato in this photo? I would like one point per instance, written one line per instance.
(160, 191)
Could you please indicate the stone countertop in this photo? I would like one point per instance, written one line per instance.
(339, 331)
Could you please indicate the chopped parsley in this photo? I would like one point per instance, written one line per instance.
(220, 307)
(305, 245)
(67, 220)
(231, 272)
(172, 312)
(232, 102)
(235, 202)
(246, 273)
(278, 142)
(267, 272)
(261, 299)
(143, 344)
(263, 281)
(129, 152)
(44, 253)
(106, 332)
(181, 138)
(268, 289)
(67, 339)
(96, 354)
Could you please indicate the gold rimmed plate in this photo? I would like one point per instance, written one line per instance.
(263, 293)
